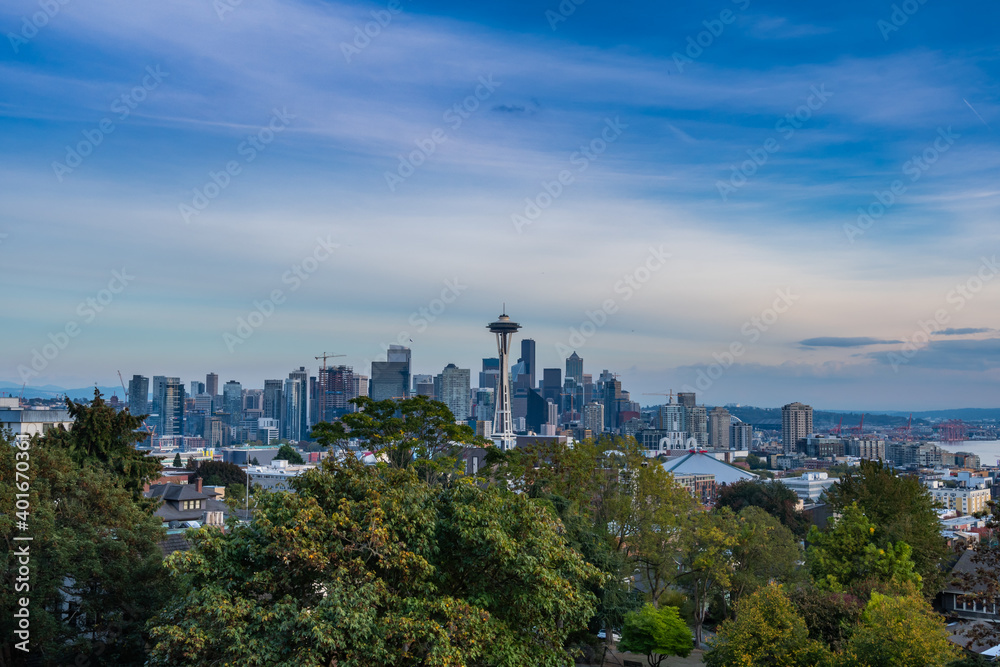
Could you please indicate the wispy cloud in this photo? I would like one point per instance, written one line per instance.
(834, 341)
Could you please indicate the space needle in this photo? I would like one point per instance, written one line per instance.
(503, 425)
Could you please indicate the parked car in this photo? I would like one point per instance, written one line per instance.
(615, 637)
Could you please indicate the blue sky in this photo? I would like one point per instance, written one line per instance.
(713, 157)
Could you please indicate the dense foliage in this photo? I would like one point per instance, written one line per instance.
(373, 566)
(217, 473)
(95, 567)
(904, 511)
(773, 497)
(286, 453)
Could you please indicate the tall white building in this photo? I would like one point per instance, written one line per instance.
(593, 417)
(796, 423)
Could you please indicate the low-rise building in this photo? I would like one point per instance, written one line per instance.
(701, 486)
(277, 475)
(26, 422)
(811, 486)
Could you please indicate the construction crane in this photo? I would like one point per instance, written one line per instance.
(860, 428)
(660, 393)
(839, 426)
(124, 390)
(324, 384)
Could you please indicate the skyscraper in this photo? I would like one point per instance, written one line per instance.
(391, 378)
(687, 399)
(697, 423)
(741, 436)
(455, 391)
(490, 373)
(574, 368)
(272, 399)
(138, 395)
(528, 358)
(302, 414)
(552, 385)
(171, 407)
(796, 423)
(593, 418)
(719, 423)
(212, 384)
(232, 401)
(197, 388)
(158, 381)
(341, 387)
(503, 426)
(293, 415)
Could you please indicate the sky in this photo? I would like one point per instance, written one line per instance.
(764, 202)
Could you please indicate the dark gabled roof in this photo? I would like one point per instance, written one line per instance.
(167, 512)
(176, 492)
(963, 566)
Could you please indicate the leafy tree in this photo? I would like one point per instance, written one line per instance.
(764, 551)
(177, 460)
(830, 617)
(286, 453)
(96, 570)
(371, 565)
(217, 473)
(656, 633)
(904, 511)
(103, 437)
(773, 497)
(899, 632)
(415, 431)
(847, 553)
(705, 562)
(767, 632)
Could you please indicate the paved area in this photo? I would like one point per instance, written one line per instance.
(616, 659)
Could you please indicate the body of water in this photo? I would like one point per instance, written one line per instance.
(987, 450)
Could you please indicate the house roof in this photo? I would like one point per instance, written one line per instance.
(176, 492)
(697, 463)
(174, 542)
(965, 565)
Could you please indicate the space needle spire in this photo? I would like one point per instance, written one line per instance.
(503, 425)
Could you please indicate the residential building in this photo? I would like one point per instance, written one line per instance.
(719, 423)
(696, 417)
(294, 415)
(171, 403)
(701, 486)
(593, 418)
(796, 423)
(740, 435)
(455, 391)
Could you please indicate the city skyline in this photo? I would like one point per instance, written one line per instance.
(169, 179)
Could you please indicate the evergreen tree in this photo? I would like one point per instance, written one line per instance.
(177, 460)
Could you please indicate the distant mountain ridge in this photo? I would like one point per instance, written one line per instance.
(52, 391)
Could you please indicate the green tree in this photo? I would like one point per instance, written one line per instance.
(764, 551)
(103, 437)
(767, 632)
(773, 497)
(830, 617)
(656, 633)
(371, 565)
(286, 453)
(705, 561)
(848, 552)
(899, 632)
(217, 473)
(415, 431)
(177, 460)
(904, 511)
(96, 570)
(983, 580)
(254, 461)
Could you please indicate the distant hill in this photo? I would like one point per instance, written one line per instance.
(52, 391)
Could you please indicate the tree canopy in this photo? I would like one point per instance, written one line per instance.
(848, 553)
(904, 511)
(899, 632)
(217, 473)
(773, 497)
(767, 632)
(286, 453)
(656, 633)
(374, 566)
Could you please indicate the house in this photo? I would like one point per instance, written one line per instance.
(953, 598)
